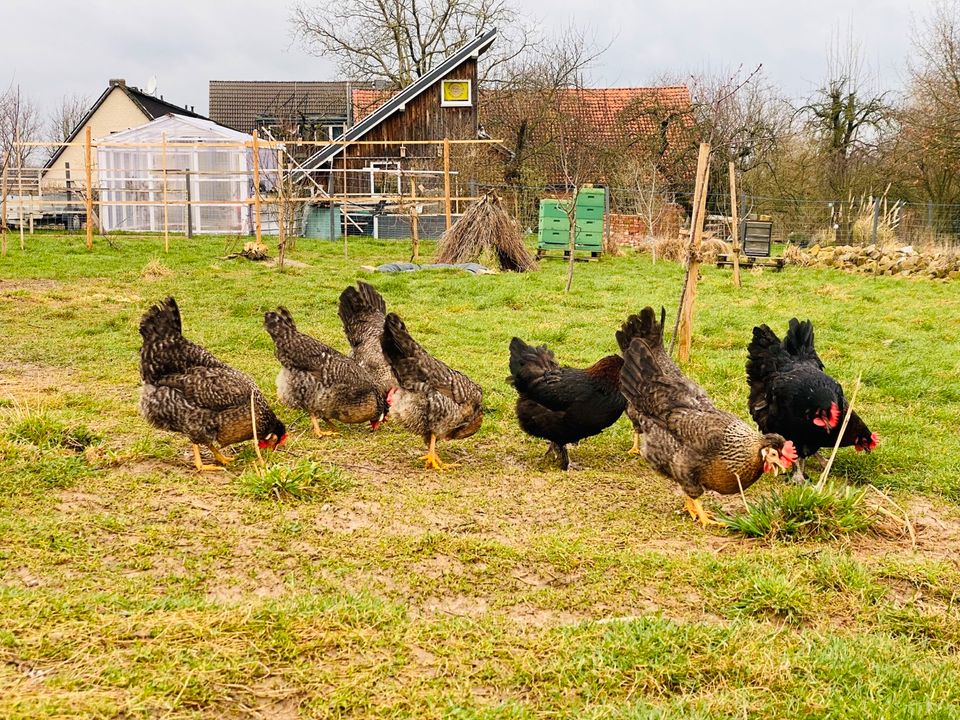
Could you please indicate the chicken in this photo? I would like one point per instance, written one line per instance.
(791, 395)
(189, 391)
(684, 436)
(563, 405)
(362, 312)
(430, 399)
(625, 335)
(321, 381)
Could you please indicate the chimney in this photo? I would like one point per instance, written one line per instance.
(118, 82)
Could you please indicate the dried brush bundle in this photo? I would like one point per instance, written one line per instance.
(486, 229)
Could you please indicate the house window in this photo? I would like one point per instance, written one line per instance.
(335, 131)
(384, 178)
(456, 93)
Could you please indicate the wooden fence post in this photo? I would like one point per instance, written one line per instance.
(256, 186)
(414, 222)
(446, 182)
(685, 324)
(19, 182)
(189, 217)
(166, 209)
(89, 187)
(3, 208)
(735, 219)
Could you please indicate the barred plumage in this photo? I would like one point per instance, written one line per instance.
(320, 380)
(362, 311)
(188, 390)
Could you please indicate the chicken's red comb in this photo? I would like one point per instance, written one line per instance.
(789, 452)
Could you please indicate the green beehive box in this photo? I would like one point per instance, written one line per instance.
(555, 223)
(552, 208)
(590, 197)
(590, 212)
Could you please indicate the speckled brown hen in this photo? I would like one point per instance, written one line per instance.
(188, 390)
(363, 311)
(684, 436)
(321, 381)
(430, 399)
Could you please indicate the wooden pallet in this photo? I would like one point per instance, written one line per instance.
(594, 254)
(748, 261)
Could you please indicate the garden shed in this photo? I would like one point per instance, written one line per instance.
(213, 177)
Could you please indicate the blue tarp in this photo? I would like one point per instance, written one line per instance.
(475, 268)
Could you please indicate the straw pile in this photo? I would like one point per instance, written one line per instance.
(486, 230)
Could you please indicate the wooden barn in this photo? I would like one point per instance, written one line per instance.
(442, 104)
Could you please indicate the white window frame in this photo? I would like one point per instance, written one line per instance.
(383, 166)
(457, 103)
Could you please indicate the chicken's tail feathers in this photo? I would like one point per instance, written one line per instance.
(279, 323)
(162, 320)
(644, 326)
(396, 342)
(357, 308)
(798, 342)
(765, 355)
(654, 384)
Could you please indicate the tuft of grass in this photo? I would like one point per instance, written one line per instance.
(42, 429)
(804, 512)
(155, 269)
(772, 594)
(304, 480)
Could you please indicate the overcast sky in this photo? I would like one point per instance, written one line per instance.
(54, 47)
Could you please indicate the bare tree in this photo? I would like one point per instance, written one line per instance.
(18, 117)
(401, 40)
(65, 117)
(847, 116)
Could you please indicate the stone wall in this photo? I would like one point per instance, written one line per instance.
(873, 260)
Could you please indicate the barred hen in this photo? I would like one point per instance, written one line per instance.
(362, 311)
(684, 436)
(430, 399)
(631, 328)
(189, 391)
(320, 380)
(791, 395)
(563, 405)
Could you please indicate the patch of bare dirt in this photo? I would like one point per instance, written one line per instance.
(23, 382)
(28, 285)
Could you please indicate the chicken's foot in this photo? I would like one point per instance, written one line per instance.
(323, 433)
(219, 456)
(433, 460)
(695, 508)
(635, 450)
(198, 462)
(798, 475)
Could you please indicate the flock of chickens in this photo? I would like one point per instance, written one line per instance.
(796, 406)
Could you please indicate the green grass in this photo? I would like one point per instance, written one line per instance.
(347, 581)
(805, 512)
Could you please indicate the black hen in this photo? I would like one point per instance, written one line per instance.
(188, 390)
(563, 404)
(791, 395)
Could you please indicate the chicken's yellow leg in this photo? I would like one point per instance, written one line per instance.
(323, 433)
(199, 463)
(219, 456)
(695, 508)
(432, 459)
(635, 450)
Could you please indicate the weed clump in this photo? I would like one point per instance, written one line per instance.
(46, 432)
(804, 512)
(305, 480)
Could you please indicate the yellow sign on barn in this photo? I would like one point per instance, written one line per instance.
(455, 93)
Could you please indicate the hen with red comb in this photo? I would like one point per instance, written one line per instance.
(790, 394)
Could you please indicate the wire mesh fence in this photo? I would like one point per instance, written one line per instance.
(389, 189)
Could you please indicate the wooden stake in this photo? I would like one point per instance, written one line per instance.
(89, 187)
(446, 182)
(166, 209)
(3, 208)
(20, 183)
(281, 219)
(843, 428)
(256, 187)
(734, 216)
(685, 324)
(414, 222)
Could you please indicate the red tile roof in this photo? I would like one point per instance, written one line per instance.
(365, 101)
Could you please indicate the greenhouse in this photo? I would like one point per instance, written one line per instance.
(213, 177)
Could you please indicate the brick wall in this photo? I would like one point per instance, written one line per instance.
(632, 229)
